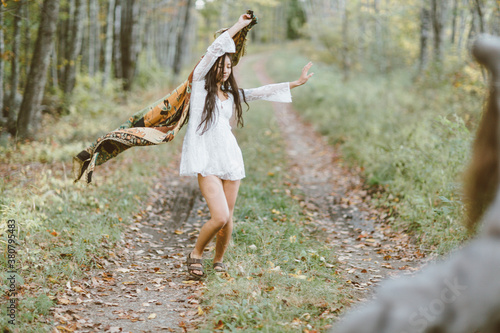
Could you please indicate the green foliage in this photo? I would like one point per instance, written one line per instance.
(295, 20)
(152, 75)
(412, 139)
(281, 277)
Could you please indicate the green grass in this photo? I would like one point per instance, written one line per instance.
(411, 137)
(64, 228)
(282, 279)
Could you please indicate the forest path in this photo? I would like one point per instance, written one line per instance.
(143, 286)
(368, 249)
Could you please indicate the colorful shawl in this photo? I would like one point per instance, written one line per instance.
(156, 124)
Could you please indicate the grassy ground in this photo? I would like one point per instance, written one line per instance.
(65, 228)
(410, 136)
(281, 278)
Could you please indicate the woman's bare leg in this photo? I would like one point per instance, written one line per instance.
(212, 190)
(224, 235)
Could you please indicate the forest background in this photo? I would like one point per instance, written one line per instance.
(395, 89)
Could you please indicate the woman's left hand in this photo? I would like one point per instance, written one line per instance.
(304, 77)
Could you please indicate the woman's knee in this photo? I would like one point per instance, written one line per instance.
(221, 220)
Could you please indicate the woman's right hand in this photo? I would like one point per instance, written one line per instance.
(245, 20)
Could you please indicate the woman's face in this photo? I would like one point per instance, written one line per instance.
(226, 70)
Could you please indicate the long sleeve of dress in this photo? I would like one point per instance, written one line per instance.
(276, 92)
(223, 44)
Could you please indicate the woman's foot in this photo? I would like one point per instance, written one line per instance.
(220, 267)
(195, 267)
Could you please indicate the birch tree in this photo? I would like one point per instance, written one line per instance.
(108, 48)
(425, 34)
(2, 66)
(33, 92)
(93, 40)
(117, 54)
(346, 57)
(439, 15)
(182, 36)
(73, 46)
(12, 103)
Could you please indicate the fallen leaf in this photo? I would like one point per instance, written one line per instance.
(129, 282)
(219, 326)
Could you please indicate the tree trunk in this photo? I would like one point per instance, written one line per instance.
(2, 66)
(13, 105)
(74, 45)
(33, 92)
(454, 21)
(150, 30)
(479, 7)
(439, 14)
(128, 40)
(173, 27)
(181, 37)
(94, 41)
(108, 49)
(26, 44)
(361, 33)
(379, 38)
(65, 38)
(117, 54)
(495, 20)
(462, 28)
(53, 68)
(346, 60)
(425, 33)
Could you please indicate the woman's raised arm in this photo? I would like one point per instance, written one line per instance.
(223, 44)
(243, 21)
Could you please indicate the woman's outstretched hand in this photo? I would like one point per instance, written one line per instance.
(243, 21)
(304, 77)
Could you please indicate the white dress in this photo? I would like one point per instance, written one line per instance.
(216, 151)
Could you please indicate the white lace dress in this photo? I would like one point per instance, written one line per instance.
(216, 151)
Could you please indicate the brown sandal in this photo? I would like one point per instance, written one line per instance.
(220, 267)
(191, 268)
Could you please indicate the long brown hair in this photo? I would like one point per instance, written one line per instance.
(214, 76)
(482, 176)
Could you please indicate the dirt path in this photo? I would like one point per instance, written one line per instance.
(143, 286)
(368, 249)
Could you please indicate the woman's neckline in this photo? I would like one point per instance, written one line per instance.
(222, 100)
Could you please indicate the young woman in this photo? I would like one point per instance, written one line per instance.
(210, 150)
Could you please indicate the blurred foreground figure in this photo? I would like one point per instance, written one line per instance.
(461, 294)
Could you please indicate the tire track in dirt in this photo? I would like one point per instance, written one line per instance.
(368, 249)
(143, 285)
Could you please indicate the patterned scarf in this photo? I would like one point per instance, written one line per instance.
(156, 124)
